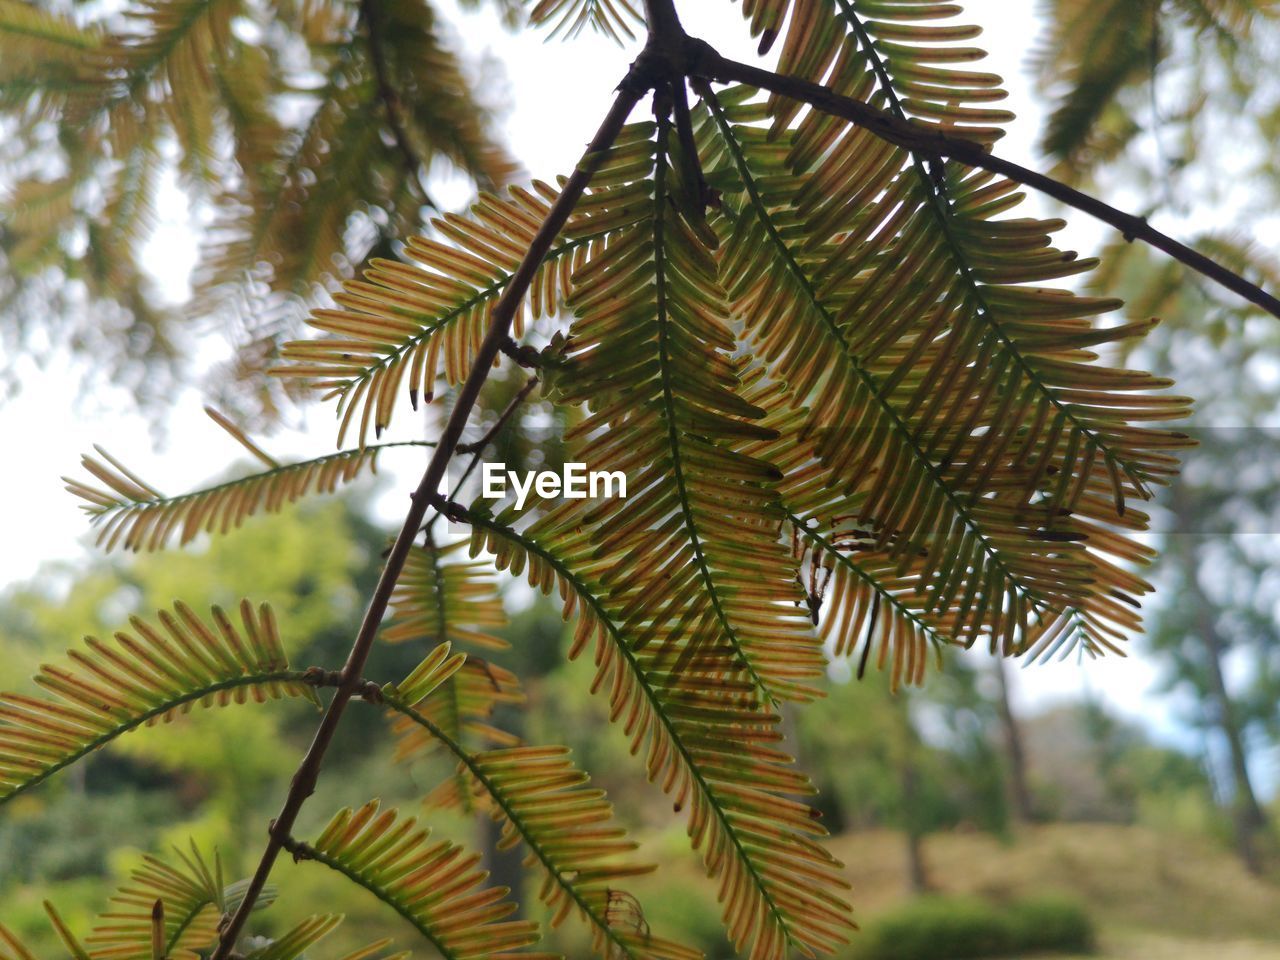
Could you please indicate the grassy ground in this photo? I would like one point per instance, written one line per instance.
(1154, 896)
(1154, 947)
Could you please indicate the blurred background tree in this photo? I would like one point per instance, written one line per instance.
(1155, 90)
(259, 114)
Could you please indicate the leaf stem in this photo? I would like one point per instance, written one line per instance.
(493, 431)
(512, 813)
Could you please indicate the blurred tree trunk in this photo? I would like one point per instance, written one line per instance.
(1250, 820)
(909, 783)
(917, 870)
(506, 867)
(1015, 753)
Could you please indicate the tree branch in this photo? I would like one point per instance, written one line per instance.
(932, 143)
(630, 91)
(523, 354)
(508, 411)
(662, 20)
(476, 450)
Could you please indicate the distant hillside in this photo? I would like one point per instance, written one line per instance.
(1154, 896)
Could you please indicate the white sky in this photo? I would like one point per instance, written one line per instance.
(558, 93)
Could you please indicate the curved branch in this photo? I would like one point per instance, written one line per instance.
(546, 857)
(82, 750)
(629, 93)
(709, 64)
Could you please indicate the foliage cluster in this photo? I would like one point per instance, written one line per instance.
(956, 928)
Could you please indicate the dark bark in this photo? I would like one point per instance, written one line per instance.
(1249, 820)
(909, 781)
(352, 682)
(1248, 815)
(1015, 752)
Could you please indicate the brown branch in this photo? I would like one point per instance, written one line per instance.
(689, 146)
(508, 411)
(662, 20)
(477, 449)
(523, 354)
(303, 785)
(369, 13)
(935, 144)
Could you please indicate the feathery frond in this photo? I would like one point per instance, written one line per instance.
(615, 19)
(134, 515)
(440, 596)
(888, 53)
(975, 425)
(434, 886)
(1102, 48)
(463, 709)
(455, 697)
(404, 325)
(179, 905)
(706, 741)
(173, 45)
(310, 131)
(442, 114)
(542, 799)
(289, 222)
(146, 676)
(47, 57)
(650, 353)
(436, 601)
(1105, 63)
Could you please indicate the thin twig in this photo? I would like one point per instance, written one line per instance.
(303, 785)
(477, 449)
(510, 409)
(528, 357)
(931, 143)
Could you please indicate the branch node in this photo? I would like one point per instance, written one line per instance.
(320, 677)
(296, 848)
(455, 512)
(526, 356)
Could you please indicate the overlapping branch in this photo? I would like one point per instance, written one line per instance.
(630, 92)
